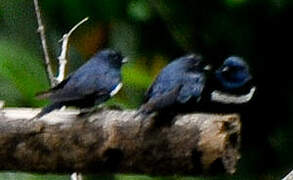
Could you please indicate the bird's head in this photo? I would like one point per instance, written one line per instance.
(234, 73)
(114, 58)
(195, 63)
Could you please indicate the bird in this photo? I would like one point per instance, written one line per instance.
(92, 84)
(180, 83)
(233, 82)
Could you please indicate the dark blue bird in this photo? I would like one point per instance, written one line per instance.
(233, 82)
(93, 83)
(179, 83)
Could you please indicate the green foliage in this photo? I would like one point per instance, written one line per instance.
(22, 75)
(27, 176)
(235, 3)
(136, 75)
(136, 79)
(140, 10)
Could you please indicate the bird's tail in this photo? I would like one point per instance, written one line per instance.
(49, 108)
(144, 111)
(159, 103)
(43, 94)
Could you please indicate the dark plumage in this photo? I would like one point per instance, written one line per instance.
(179, 83)
(93, 83)
(233, 82)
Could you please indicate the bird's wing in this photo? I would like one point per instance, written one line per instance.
(193, 86)
(86, 86)
(160, 102)
(48, 93)
(148, 93)
(153, 88)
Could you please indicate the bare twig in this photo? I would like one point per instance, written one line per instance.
(61, 73)
(2, 103)
(288, 176)
(76, 176)
(62, 57)
(41, 30)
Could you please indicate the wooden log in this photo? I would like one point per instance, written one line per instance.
(109, 141)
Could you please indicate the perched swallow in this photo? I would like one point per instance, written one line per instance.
(93, 83)
(233, 82)
(179, 83)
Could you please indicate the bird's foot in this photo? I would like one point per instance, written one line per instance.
(89, 111)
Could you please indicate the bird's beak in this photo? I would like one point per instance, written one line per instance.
(225, 69)
(124, 60)
(207, 68)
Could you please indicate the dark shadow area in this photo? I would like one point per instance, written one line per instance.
(113, 157)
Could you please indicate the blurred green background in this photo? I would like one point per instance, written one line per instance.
(152, 33)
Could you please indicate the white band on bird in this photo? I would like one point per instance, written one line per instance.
(226, 98)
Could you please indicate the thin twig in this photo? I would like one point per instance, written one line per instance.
(61, 74)
(2, 103)
(288, 176)
(76, 176)
(62, 58)
(41, 30)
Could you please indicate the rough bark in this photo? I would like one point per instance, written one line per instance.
(110, 141)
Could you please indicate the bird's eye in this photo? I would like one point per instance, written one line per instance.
(115, 56)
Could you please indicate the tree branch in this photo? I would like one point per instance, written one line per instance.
(62, 58)
(289, 176)
(41, 30)
(107, 141)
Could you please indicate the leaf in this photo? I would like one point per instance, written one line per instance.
(23, 73)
